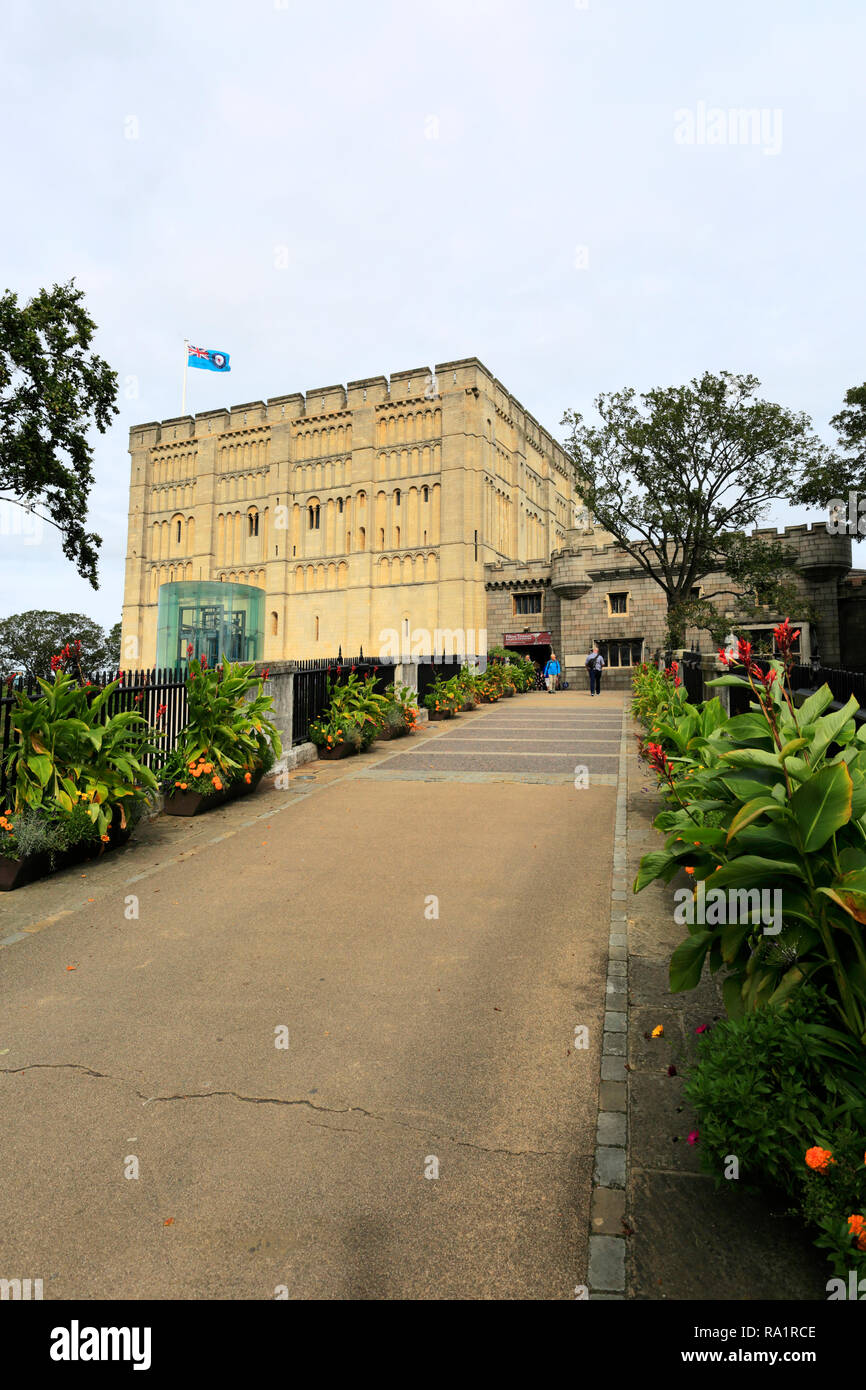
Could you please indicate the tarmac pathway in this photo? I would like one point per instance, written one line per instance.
(425, 951)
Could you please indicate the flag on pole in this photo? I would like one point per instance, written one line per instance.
(207, 359)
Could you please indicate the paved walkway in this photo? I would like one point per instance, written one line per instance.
(429, 951)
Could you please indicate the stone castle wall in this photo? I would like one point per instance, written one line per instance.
(359, 509)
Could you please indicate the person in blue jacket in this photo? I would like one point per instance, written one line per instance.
(551, 673)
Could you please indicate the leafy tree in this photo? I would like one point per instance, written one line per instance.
(678, 474)
(846, 472)
(112, 644)
(52, 391)
(29, 640)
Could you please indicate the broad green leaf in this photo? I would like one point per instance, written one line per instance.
(687, 961)
(793, 746)
(733, 936)
(815, 705)
(652, 866)
(40, 764)
(751, 811)
(732, 994)
(822, 804)
(750, 870)
(744, 727)
(790, 981)
(827, 728)
(752, 757)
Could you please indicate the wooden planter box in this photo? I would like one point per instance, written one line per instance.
(339, 750)
(15, 873)
(387, 734)
(470, 706)
(190, 803)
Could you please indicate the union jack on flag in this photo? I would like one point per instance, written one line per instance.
(208, 359)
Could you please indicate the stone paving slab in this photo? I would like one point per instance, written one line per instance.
(597, 779)
(468, 762)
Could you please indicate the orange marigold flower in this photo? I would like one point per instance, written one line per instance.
(183, 785)
(857, 1227)
(819, 1159)
(104, 839)
(247, 777)
(689, 869)
(218, 786)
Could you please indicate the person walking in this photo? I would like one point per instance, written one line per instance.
(595, 666)
(551, 673)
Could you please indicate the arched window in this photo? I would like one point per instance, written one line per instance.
(253, 523)
(397, 535)
(275, 624)
(179, 529)
(397, 497)
(362, 538)
(317, 627)
(381, 539)
(425, 493)
(340, 505)
(313, 512)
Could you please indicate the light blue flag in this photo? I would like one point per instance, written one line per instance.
(208, 359)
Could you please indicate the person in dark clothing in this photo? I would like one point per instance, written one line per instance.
(595, 665)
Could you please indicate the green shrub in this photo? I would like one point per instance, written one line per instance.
(772, 1086)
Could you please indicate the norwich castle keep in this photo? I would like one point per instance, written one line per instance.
(413, 509)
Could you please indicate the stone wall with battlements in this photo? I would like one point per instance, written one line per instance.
(358, 509)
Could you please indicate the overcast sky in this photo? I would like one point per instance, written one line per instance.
(338, 190)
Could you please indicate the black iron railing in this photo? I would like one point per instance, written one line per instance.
(312, 683)
(143, 691)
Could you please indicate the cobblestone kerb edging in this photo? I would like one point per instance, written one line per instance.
(607, 1242)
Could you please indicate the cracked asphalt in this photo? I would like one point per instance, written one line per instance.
(415, 1041)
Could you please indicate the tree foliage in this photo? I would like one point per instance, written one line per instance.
(29, 640)
(844, 472)
(678, 474)
(53, 390)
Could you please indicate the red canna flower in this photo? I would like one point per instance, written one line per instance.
(161, 711)
(189, 650)
(785, 638)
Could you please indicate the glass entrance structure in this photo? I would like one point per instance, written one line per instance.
(217, 620)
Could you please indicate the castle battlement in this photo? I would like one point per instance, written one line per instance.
(464, 376)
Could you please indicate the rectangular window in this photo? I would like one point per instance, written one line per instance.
(764, 643)
(618, 603)
(526, 604)
(629, 653)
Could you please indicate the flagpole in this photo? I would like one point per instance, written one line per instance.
(185, 361)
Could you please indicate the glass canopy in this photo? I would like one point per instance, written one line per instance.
(217, 620)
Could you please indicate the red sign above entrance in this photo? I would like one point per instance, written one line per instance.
(526, 639)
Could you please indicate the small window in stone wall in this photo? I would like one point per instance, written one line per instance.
(629, 653)
(618, 602)
(526, 604)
